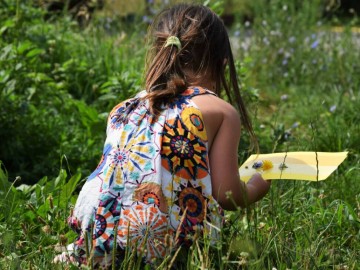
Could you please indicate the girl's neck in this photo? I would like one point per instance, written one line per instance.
(204, 80)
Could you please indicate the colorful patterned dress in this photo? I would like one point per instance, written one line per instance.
(153, 183)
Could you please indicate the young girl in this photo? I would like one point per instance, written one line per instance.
(170, 161)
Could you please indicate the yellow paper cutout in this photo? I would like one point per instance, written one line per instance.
(311, 166)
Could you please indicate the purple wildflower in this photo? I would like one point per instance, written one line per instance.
(292, 39)
(314, 44)
(332, 108)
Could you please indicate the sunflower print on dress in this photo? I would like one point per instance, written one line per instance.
(183, 153)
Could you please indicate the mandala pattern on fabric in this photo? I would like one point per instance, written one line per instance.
(132, 159)
(102, 162)
(188, 228)
(193, 121)
(151, 193)
(182, 153)
(119, 115)
(179, 103)
(191, 199)
(153, 181)
(103, 228)
(194, 91)
(144, 226)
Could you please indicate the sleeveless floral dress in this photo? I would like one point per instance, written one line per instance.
(152, 188)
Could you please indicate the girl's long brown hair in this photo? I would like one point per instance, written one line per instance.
(205, 49)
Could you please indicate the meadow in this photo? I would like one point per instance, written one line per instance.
(300, 79)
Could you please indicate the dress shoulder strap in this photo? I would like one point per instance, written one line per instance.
(196, 91)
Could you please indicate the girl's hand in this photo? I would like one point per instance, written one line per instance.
(257, 188)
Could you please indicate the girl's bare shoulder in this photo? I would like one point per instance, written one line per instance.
(217, 114)
(215, 106)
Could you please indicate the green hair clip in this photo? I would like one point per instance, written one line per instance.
(173, 40)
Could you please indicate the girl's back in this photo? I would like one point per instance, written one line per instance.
(170, 157)
(153, 181)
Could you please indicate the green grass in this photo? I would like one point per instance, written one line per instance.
(301, 84)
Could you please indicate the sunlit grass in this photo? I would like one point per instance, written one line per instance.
(301, 83)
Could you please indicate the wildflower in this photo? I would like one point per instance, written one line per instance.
(267, 165)
(295, 125)
(19, 244)
(264, 23)
(284, 97)
(247, 24)
(237, 33)
(244, 254)
(314, 44)
(284, 7)
(292, 39)
(266, 41)
(243, 257)
(263, 165)
(46, 229)
(284, 62)
(275, 33)
(332, 108)
(146, 19)
(287, 55)
(287, 135)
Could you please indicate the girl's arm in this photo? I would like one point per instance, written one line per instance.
(228, 189)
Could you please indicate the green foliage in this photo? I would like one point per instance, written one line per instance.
(300, 81)
(33, 218)
(58, 84)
